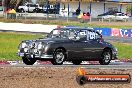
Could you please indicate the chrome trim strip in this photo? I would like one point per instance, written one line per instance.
(36, 55)
(44, 56)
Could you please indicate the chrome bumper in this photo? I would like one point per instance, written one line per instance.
(36, 55)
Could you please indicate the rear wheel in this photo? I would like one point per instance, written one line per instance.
(76, 62)
(59, 57)
(106, 57)
(28, 61)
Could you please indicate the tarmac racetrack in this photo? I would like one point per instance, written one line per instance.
(115, 64)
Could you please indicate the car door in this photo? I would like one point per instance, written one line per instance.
(80, 46)
(72, 45)
(95, 43)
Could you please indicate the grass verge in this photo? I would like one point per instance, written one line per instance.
(9, 43)
(124, 50)
(126, 25)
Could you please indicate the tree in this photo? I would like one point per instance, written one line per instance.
(18, 2)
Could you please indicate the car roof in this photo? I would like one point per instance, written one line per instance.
(77, 28)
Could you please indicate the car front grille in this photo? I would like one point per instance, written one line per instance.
(31, 51)
(32, 48)
(32, 45)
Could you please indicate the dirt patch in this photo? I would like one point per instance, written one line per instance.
(51, 77)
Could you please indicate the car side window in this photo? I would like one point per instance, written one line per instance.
(28, 5)
(72, 34)
(64, 34)
(82, 35)
(98, 36)
(32, 5)
(92, 35)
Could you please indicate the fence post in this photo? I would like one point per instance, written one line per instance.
(102, 19)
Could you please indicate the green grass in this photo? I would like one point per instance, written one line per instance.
(10, 41)
(124, 50)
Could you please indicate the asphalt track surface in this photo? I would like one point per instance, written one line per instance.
(90, 65)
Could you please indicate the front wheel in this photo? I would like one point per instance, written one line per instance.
(106, 57)
(59, 57)
(21, 11)
(28, 61)
(36, 10)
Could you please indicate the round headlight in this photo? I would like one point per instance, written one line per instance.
(23, 45)
(25, 49)
(40, 46)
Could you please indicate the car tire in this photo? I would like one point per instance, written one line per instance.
(21, 11)
(59, 57)
(36, 10)
(106, 57)
(28, 61)
(76, 62)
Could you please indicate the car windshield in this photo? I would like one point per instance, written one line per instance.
(58, 33)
